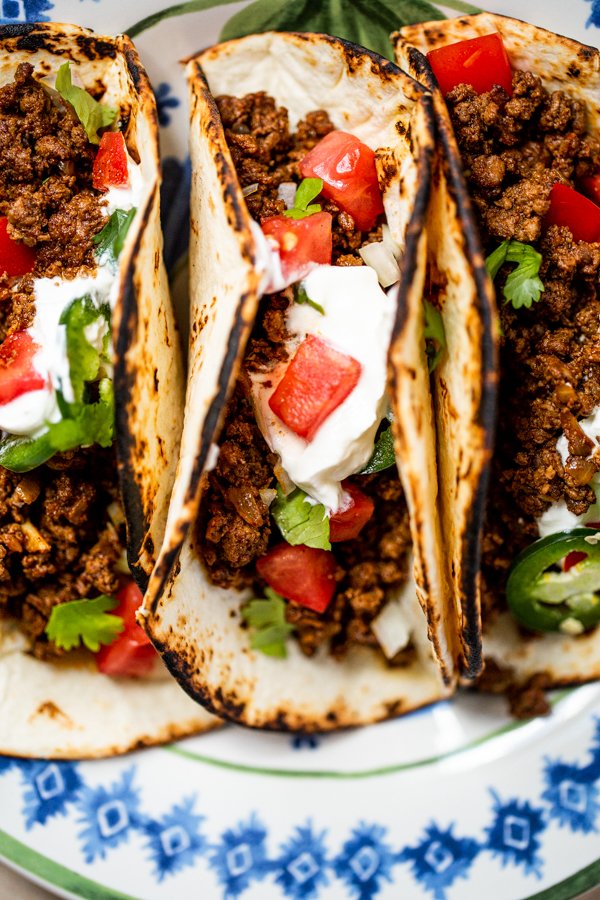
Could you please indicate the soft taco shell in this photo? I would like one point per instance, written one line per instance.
(195, 624)
(68, 709)
(562, 64)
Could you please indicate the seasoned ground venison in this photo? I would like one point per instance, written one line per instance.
(513, 150)
(234, 528)
(57, 542)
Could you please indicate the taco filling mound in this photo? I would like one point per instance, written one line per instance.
(523, 105)
(304, 502)
(68, 198)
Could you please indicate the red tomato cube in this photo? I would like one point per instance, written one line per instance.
(110, 165)
(16, 258)
(347, 167)
(349, 522)
(571, 209)
(315, 383)
(481, 62)
(301, 243)
(132, 653)
(302, 574)
(17, 373)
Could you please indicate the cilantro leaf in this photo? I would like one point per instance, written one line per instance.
(383, 455)
(523, 287)
(300, 296)
(111, 239)
(267, 619)
(300, 521)
(84, 358)
(87, 423)
(435, 336)
(308, 189)
(91, 114)
(84, 621)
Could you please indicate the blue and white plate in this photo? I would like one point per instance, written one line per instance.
(451, 803)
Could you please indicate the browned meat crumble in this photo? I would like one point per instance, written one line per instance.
(57, 542)
(234, 527)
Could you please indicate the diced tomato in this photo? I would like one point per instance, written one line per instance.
(315, 383)
(16, 258)
(301, 243)
(572, 558)
(132, 653)
(481, 62)
(570, 208)
(349, 522)
(17, 373)
(110, 166)
(591, 187)
(302, 574)
(347, 167)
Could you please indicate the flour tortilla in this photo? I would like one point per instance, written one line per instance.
(68, 709)
(195, 624)
(562, 64)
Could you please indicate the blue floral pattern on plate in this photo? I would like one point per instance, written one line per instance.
(108, 814)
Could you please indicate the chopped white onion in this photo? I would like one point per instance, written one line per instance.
(121, 565)
(250, 189)
(116, 514)
(391, 628)
(287, 192)
(380, 258)
(390, 243)
(267, 495)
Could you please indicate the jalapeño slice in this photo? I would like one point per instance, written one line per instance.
(543, 598)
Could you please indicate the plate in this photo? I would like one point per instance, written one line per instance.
(453, 802)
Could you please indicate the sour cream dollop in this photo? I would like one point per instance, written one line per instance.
(30, 413)
(358, 320)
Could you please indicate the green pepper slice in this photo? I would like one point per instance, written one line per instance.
(21, 454)
(544, 599)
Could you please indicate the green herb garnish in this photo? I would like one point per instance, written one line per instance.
(300, 296)
(307, 190)
(84, 359)
(523, 286)
(92, 115)
(383, 455)
(300, 521)
(267, 618)
(90, 417)
(435, 336)
(111, 239)
(84, 621)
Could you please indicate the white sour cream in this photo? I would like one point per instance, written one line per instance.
(31, 412)
(557, 517)
(358, 321)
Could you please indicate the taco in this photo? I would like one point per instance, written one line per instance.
(519, 111)
(91, 395)
(284, 596)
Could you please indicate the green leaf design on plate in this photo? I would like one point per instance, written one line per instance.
(179, 9)
(365, 22)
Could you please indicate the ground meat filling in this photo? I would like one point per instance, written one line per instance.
(57, 540)
(513, 150)
(234, 527)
